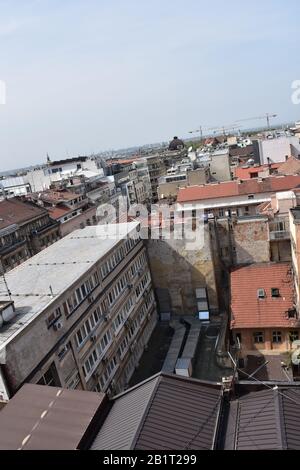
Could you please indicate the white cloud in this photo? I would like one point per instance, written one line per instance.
(11, 26)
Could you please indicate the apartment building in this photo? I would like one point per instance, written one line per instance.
(234, 198)
(156, 169)
(84, 311)
(261, 237)
(42, 178)
(263, 310)
(25, 229)
(72, 210)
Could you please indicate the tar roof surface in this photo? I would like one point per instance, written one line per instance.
(172, 413)
(40, 417)
(59, 266)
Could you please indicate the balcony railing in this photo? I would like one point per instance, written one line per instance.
(280, 235)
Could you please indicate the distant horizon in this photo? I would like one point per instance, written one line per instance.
(10, 172)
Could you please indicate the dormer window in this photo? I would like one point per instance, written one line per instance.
(275, 292)
(261, 294)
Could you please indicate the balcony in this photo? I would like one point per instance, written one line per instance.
(279, 235)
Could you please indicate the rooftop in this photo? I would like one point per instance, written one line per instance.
(56, 196)
(15, 211)
(243, 173)
(165, 412)
(40, 417)
(59, 266)
(264, 420)
(234, 188)
(249, 311)
(290, 167)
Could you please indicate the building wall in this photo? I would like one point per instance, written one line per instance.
(40, 350)
(181, 271)
(27, 240)
(220, 167)
(278, 149)
(243, 241)
(87, 217)
(295, 249)
(248, 344)
(251, 242)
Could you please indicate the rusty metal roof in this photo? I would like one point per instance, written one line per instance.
(40, 417)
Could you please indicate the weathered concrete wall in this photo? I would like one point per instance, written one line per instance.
(251, 241)
(74, 224)
(244, 241)
(181, 271)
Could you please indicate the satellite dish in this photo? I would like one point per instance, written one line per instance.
(190, 149)
(296, 357)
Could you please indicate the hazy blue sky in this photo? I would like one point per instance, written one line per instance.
(89, 75)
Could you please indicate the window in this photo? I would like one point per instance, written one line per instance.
(261, 294)
(258, 337)
(221, 212)
(294, 336)
(277, 337)
(275, 292)
(251, 196)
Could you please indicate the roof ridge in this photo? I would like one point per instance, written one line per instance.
(146, 412)
(279, 417)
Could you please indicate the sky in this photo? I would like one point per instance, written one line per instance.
(83, 76)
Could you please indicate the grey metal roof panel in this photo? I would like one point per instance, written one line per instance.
(183, 415)
(290, 405)
(265, 420)
(123, 421)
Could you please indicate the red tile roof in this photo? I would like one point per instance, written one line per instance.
(58, 212)
(290, 167)
(15, 211)
(245, 173)
(234, 188)
(247, 311)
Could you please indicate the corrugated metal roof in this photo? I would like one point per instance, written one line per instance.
(123, 421)
(40, 417)
(265, 420)
(183, 415)
(166, 412)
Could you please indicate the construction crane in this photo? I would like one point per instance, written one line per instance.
(222, 129)
(266, 116)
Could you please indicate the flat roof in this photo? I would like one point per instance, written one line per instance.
(59, 266)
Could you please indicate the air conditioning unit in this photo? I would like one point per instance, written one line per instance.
(96, 375)
(58, 325)
(105, 317)
(104, 360)
(90, 299)
(93, 338)
(130, 286)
